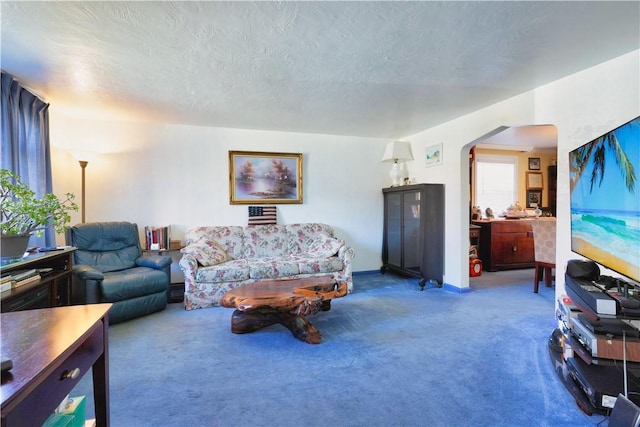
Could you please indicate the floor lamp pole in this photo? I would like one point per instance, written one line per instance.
(83, 165)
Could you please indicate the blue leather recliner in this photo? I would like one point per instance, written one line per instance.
(109, 266)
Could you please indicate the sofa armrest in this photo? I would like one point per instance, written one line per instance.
(346, 253)
(85, 284)
(189, 266)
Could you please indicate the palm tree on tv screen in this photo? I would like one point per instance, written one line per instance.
(598, 148)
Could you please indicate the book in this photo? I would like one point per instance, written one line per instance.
(5, 286)
(25, 281)
(157, 238)
(23, 274)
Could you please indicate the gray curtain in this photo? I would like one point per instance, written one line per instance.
(25, 142)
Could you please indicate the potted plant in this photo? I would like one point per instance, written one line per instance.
(22, 214)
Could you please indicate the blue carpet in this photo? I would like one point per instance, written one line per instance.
(391, 356)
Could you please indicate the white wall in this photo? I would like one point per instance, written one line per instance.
(582, 106)
(161, 174)
(171, 174)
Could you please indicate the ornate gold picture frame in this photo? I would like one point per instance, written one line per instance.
(265, 178)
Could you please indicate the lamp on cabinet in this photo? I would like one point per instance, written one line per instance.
(397, 152)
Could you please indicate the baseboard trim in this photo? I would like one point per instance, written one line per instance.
(361, 273)
(456, 289)
(447, 286)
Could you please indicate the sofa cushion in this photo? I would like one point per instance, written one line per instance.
(229, 238)
(229, 271)
(272, 268)
(301, 236)
(324, 246)
(265, 241)
(132, 283)
(319, 265)
(207, 254)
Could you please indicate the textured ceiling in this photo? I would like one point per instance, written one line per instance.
(380, 69)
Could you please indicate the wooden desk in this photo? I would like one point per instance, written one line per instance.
(51, 349)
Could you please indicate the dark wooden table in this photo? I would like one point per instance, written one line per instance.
(51, 349)
(287, 302)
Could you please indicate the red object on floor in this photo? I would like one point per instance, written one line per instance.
(475, 267)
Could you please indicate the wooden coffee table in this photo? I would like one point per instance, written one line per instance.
(287, 302)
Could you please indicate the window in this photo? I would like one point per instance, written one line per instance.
(496, 182)
(25, 143)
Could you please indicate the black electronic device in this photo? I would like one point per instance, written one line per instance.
(582, 269)
(588, 296)
(621, 300)
(610, 327)
(50, 249)
(625, 413)
(6, 365)
(609, 282)
(601, 384)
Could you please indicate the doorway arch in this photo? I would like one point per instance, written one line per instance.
(526, 138)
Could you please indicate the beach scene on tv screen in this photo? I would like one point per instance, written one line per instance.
(605, 200)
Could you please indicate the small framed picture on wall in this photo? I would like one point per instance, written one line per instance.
(534, 180)
(433, 155)
(534, 198)
(534, 163)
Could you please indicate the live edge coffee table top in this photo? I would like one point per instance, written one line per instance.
(287, 302)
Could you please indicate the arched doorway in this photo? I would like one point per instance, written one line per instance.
(530, 143)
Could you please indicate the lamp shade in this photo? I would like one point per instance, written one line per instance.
(397, 151)
(83, 155)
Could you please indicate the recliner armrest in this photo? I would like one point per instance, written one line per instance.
(157, 262)
(86, 272)
(85, 284)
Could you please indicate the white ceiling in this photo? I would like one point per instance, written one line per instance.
(379, 69)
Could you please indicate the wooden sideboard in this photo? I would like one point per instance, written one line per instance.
(506, 244)
(52, 290)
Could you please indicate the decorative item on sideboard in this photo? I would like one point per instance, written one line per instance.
(397, 152)
(23, 213)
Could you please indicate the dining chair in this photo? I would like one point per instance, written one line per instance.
(544, 245)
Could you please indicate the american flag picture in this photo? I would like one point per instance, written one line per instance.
(262, 215)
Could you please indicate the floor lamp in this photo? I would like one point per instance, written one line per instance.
(83, 165)
(83, 158)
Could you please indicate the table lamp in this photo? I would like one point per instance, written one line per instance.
(397, 152)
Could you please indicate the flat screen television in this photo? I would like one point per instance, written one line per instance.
(605, 199)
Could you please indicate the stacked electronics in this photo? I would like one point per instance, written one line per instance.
(601, 348)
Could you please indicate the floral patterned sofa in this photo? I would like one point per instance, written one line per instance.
(218, 259)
